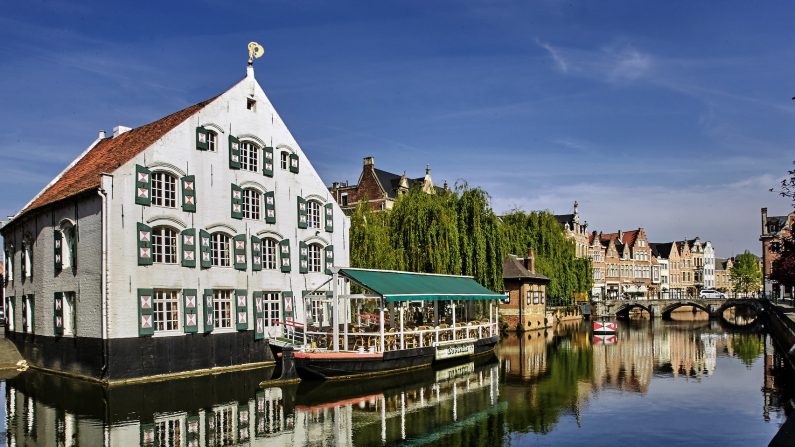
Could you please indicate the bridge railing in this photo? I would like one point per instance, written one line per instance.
(684, 296)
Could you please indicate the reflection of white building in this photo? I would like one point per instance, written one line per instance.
(269, 418)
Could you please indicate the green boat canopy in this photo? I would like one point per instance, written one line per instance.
(407, 286)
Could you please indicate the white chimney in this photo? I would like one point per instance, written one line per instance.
(101, 134)
(118, 130)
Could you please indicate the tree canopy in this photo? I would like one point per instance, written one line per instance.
(745, 273)
(457, 232)
(783, 269)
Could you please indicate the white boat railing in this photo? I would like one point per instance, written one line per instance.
(419, 337)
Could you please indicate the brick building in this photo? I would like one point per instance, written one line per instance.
(774, 230)
(723, 277)
(379, 188)
(626, 261)
(525, 308)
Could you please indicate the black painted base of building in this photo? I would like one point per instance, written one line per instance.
(139, 357)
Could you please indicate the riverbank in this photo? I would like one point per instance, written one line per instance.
(781, 326)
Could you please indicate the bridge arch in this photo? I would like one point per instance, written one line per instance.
(666, 312)
(752, 304)
(623, 310)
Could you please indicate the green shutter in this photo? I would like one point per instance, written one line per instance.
(284, 255)
(148, 435)
(189, 193)
(256, 254)
(146, 318)
(202, 141)
(209, 321)
(57, 247)
(189, 247)
(234, 153)
(57, 313)
(237, 202)
(192, 434)
(241, 309)
(288, 312)
(270, 207)
(144, 235)
(303, 257)
(73, 245)
(23, 268)
(294, 163)
(267, 165)
(190, 306)
(204, 249)
(143, 185)
(259, 315)
(329, 261)
(330, 217)
(302, 219)
(239, 251)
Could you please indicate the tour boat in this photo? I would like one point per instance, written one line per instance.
(343, 350)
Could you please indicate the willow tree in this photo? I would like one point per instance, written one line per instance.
(555, 255)
(479, 235)
(371, 244)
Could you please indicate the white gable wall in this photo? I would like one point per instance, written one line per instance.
(176, 152)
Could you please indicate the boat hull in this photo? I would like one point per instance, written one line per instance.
(350, 365)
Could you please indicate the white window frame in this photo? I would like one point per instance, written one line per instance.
(270, 253)
(26, 259)
(314, 258)
(272, 306)
(69, 314)
(284, 160)
(212, 141)
(314, 214)
(28, 325)
(166, 310)
(66, 246)
(164, 245)
(249, 156)
(164, 189)
(10, 315)
(220, 246)
(252, 203)
(173, 425)
(222, 308)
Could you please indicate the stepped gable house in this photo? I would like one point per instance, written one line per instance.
(379, 188)
(575, 231)
(178, 246)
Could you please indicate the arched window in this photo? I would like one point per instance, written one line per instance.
(251, 203)
(27, 259)
(68, 244)
(315, 257)
(219, 250)
(313, 214)
(164, 189)
(269, 253)
(212, 140)
(249, 156)
(164, 245)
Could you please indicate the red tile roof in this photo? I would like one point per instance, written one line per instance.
(107, 155)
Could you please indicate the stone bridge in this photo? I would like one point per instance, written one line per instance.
(663, 307)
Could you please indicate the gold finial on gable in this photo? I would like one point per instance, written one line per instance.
(255, 51)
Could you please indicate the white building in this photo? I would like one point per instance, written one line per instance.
(709, 266)
(177, 246)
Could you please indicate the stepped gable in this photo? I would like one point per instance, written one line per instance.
(107, 155)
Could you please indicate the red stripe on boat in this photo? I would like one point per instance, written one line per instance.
(337, 355)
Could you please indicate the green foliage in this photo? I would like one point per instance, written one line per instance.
(746, 274)
(747, 347)
(554, 254)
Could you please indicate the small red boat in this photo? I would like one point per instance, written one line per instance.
(604, 327)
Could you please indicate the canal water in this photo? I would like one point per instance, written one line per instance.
(658, 383)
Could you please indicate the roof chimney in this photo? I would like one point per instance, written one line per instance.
(530, 260)
(101, 134)
(620, 236)
(369, 161)
(118, 130)
(764, 221)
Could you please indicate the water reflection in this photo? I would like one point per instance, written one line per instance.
(536, 381)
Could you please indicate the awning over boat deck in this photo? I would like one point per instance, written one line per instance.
(407, 286)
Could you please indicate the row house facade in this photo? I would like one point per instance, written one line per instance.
(703, 255)
(623, 265)
(378, 188)
(723, 277)
(774, 230)
(576, 231)
(177, 247)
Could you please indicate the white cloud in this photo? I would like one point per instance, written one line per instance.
(556, 56)
(629, 63)
(610, 63)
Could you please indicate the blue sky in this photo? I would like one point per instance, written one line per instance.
(673, 116)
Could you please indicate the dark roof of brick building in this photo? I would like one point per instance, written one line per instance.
(391, 182)
(513, 268)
